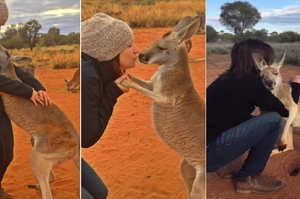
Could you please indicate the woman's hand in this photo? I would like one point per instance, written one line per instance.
(119, 80)
(35, 98)
(44, 97)
(296, 79)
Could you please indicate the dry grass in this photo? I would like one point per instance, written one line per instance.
(67, 56)
(160, 14)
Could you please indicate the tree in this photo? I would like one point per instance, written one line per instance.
(211, 34)
(238, 17)
(52, 37)
(30, 32)
(261, 34)
(289, 36)
(17, 42)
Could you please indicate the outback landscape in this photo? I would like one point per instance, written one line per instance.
(279, 166)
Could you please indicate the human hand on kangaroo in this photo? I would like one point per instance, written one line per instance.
(120, 79)
(40, 97)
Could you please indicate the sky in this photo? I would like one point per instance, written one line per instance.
(277, 15)
(62, 14)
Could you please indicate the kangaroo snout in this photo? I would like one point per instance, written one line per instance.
(143, 58)
(269, 84)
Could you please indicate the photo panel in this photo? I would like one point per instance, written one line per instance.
(143, 99)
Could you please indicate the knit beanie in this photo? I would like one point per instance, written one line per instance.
(3, 12)
(104, 37)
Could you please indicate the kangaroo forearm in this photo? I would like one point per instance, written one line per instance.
(143, 83)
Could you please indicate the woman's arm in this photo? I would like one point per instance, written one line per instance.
(29, 79)
(15, 87)
(264, 99)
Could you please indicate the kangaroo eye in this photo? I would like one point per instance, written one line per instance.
(275, 73)
(161, 48)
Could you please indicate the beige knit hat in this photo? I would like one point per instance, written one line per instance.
(104, 37)
(3, 12)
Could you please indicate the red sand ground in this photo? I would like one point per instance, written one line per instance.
(19, 173)
(277, 167)
(130, 158)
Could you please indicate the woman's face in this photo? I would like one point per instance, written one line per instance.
(128, 57)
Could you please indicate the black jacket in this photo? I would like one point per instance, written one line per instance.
(231, 101)
(18, 88)
(98, 97)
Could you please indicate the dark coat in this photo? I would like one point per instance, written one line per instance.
(18, 88)
(99, 94)
(232, 101)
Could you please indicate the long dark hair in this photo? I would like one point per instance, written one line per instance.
(242, 62)
(114, 63)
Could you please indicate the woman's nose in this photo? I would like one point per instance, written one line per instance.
(135, 49)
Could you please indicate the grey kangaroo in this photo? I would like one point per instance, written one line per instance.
(178, 112)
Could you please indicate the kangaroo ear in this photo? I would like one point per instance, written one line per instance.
(259, 61)
(66, 81)
(279, 60)
(183, 23)
(21, 59)
(187, 32)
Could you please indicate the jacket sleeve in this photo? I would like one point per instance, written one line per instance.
(295, 91)
(15, 87)
(97, 104)
(264, 99)
(29, 79)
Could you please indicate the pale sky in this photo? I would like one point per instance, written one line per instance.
(276, 15)
(62, 14)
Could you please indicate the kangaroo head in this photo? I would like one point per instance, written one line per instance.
(270, 74)
(6, 61)
(169, 49)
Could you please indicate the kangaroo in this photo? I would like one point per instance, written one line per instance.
(202, 23)
(188, 43)
(55, 138)
(29, 70)
(74, 82)
(272, 80)
(178, 112)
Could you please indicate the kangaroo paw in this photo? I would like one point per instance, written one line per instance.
(37, 187)
(281, 147)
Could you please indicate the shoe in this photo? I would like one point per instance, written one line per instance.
(4, 195)
(224, 173)
(258, 184)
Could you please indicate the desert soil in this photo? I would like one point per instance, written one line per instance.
(130, 158)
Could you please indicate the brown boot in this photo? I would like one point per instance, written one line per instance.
(4, 195)
(257, 184)
(224, 173)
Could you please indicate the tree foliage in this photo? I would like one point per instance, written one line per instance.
(18, 36)
(211, 34)
(30, 32)
(238, 17)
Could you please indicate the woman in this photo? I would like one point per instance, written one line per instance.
(107, 51)
(231, 128)
(31, 89)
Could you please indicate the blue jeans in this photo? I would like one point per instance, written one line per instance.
(6, 144)
(259, 134)
(91, 184)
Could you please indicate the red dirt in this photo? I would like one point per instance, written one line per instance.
(19, 173)
(130, 158)
(278, 166)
